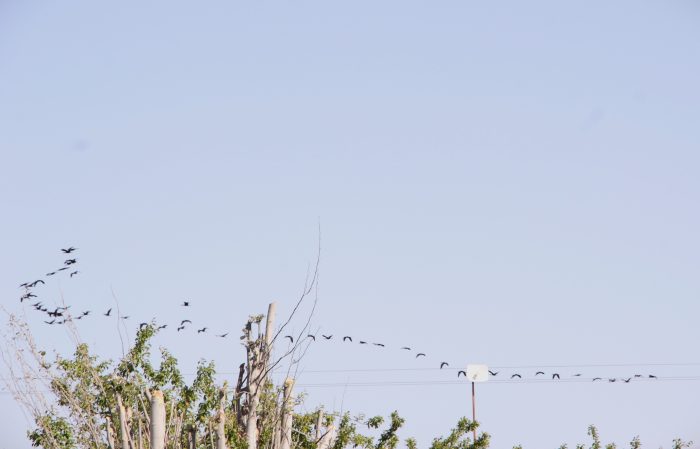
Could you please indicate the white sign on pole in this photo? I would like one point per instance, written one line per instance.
(477, 373)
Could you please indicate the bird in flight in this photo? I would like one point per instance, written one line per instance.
(74, 273)
(347, 338)
(68, 250)
(33, 284)
(406, 348)
(64, 268)
(70, 261)
(180, 328)
(612, 380)
(420, 354)
(50, 322)
(142, 325)
(51, 274)
(162, 327)
(444, 364)
(86, 313)
(577, 375)
(108, 312)
(539, 372)
(493, 373)
(627, 380)
(182, 323)
(185, 304)
(651, 376)
(126, 317)
(199, 331)
(516, 375)
(313, 337)
(555, 376)
(597, 378)
(459, 373)
(637, 375)
(327, 337)
(291, 339)
(378, 344)
(363, 342)
(223, 335)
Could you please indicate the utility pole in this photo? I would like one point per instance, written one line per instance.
(474, 409)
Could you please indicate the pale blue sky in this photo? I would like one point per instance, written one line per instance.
(513, 183)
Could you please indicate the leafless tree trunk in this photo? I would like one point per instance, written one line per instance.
(110, 434)
(258, 355)
(157, 420)
(286, 421)
(123, 424)
(319, 424)
(328, 439)
(221, 423)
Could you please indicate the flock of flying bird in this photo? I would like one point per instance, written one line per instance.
(61, 315)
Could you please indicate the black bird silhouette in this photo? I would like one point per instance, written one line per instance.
(637, 375)
(577, 375)
(126, 317)
(347, 338)
(597, 378)
(162, 327)
(180, 328)
(291, 339)
(627, 380)
(51, 274)
(87, 312)
(70, 261)
(186, 304)
(50, 322)
(327, 337)
(406, 348)
(223, 335)
(35, 283)
(68, 250)
(460, 373)
(25, 285)
(516, 375)
(378, 344)
(37, 304)
(539, 372)
(142, 325)
(64, 268)
(108, 312)
(79, 317)
(651, 376)
(420, 354)
(612, 380)
(555, 376)
(74, 273)
(363, 342)
(182, 323)
(199, 331)
(493, 373)
(444, 364)
(313, 337)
